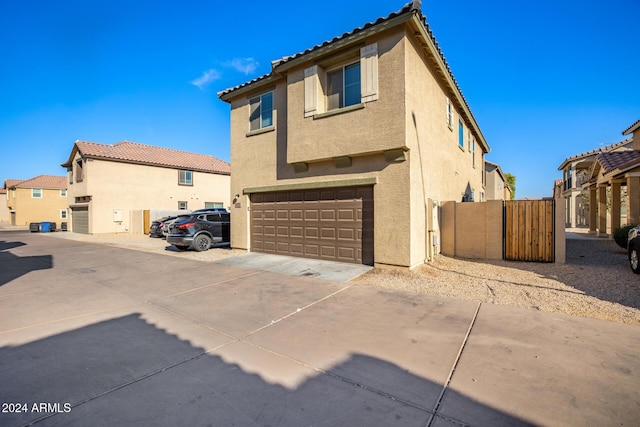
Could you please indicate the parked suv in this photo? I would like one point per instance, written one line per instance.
(199, 230)
(633, 248)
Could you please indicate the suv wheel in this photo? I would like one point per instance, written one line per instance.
(633, 260)
(202, 243)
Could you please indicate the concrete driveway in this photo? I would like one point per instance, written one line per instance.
(96, 335)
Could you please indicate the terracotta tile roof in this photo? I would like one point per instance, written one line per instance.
(133, 152)
(8, 183)
(621, 160)
(617, 146)
(49, 182)
(632, 128)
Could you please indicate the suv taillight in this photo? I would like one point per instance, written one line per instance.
(186, 226)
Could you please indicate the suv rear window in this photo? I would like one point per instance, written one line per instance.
(184, 219)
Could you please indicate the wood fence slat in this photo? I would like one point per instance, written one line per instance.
(528, 232)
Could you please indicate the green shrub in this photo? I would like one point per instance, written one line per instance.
(620, 235)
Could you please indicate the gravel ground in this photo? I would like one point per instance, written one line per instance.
(595, 282)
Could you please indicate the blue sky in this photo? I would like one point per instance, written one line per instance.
(545, 80)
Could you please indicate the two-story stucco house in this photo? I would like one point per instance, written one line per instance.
(345, 151)
(496, 186)
(575, 173)
(110, 185)
(39, 199)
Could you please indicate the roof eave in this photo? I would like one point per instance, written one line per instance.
(228, 94)
(634, 127)
(342, 42)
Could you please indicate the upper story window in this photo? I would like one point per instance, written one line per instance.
(185, 177)
(79, 171)
(36, 193)
(63, 192)
(461, 134)
(343, 87)
(341, 81)
(261, 111)
(449, 116)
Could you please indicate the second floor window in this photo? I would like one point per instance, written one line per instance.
(79, 172)
(63, 193)
(261, 111)
(36, 193)
(343, 87)
(449, 114)
(185, 178)
(461, 134)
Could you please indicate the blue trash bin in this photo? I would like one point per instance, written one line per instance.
(45, 227)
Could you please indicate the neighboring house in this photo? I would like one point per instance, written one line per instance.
(39, 199)
(110, 185)
(575, 172)
(345, 151)
(5, 217)
(613, 177)
(496, 187)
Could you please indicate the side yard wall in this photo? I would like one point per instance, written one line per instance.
(475, 230)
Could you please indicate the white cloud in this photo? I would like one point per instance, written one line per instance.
(243, 65)
(207, 77)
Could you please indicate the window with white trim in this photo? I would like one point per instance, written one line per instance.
(261, 111)
(63, 214)
(185, 178)
(63, 192)
(182, 205)
(36, 193)
(460, 134)
(339, 83)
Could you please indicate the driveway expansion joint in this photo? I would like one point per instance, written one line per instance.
(445, 387)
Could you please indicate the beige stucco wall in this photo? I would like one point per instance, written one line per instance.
(440, 169)
(28, 209)
(5, 217)
(472, 230)
(378, 126)
(494, 184)
(128, 188)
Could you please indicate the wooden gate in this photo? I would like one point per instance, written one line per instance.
(528, 230)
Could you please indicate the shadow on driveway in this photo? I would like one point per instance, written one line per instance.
(13, 266)
(126, 371)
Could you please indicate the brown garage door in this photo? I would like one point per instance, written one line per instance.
(80, 220)
(335, 224)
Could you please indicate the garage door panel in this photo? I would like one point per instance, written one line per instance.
(326, 223)
(346, 234)
(80, 220)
